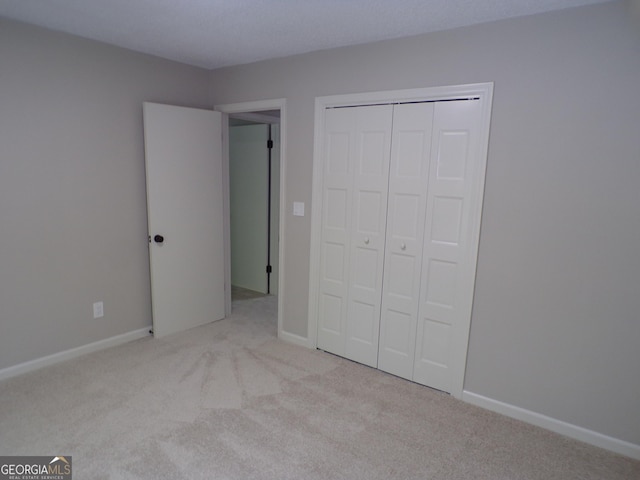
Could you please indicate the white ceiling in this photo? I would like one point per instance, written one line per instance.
(216, 33)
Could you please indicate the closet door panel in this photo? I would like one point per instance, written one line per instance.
(448, 269)
(408, 179)
(369, 219)
(336, 219)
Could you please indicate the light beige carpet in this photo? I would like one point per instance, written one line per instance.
(230, 401)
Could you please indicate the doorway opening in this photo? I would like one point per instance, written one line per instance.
(254, 218)
(254, 192)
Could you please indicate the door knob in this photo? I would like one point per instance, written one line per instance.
(158, 239)
(366, 241)
(403, 246)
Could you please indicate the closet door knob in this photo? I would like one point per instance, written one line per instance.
(403, 246)
(366, 241)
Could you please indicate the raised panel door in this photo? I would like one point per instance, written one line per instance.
(368, 222)
(448, 265)
(357, 146)
(408, 180)
(337, 196)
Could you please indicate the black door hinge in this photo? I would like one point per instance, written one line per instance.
(269, 143)
(268, 268)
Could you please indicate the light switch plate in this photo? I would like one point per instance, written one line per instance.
(298, 209)
(98, 310)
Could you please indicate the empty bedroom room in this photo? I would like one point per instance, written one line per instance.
(540, 360)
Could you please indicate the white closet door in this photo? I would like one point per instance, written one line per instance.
(339, 151)
(355, 187)
(369, 220)
(408, 180)
(450, 246)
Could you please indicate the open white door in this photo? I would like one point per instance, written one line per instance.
(183, 151)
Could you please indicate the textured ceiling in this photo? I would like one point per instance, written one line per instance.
(216, 33)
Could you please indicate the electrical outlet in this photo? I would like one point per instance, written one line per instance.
(98, 310)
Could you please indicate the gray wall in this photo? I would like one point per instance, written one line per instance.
(556, 320)
(72, 187)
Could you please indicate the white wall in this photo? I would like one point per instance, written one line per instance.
(72, 187)
(556, 322)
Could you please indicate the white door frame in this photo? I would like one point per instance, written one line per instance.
(246, 107)
(483, 91)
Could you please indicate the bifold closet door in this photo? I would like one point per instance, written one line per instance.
(402, 194)
(357, 149)
(454, 194)
(408, 180)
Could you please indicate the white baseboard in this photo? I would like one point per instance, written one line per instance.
(579, 433)
(293, 338)
(73, 353)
